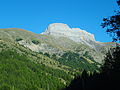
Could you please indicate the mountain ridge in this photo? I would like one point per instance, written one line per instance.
(38, 61)
(53, 44)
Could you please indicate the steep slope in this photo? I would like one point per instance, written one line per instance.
(23, 69)
(80, 41)
(47, 61)
(56, 43)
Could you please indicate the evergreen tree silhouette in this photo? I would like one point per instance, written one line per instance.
(109, 78)
(112, 24)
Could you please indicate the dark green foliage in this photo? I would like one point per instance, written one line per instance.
(35, 42)
(5, 87)
(75, 61)
(89, 82)
(41, 53)
(86, 54)
(18, 72)
(18, 39)
(112, 60)
(112, 24)
(108, 79)
(54, 57)
(47, 54)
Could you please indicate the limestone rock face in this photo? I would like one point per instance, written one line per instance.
(63, 30)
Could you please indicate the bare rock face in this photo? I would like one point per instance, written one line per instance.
(75, 34)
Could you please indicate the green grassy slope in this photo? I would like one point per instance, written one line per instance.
(52, 68)
(19, 70)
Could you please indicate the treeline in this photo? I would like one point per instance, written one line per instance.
(17, 72)
(75, 61)
(108, 79)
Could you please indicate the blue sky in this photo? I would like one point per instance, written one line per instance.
(36, 15)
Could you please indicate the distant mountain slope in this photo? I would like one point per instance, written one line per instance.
(23, 69)
(45, 61)
(58, 44)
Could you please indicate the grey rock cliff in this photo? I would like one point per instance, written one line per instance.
(75, 34)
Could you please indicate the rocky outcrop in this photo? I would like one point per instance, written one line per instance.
(63, 30)
(75, 34)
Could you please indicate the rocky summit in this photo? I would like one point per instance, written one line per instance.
(75, 34)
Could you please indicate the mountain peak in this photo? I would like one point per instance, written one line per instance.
(63, 30)
(56, 27)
